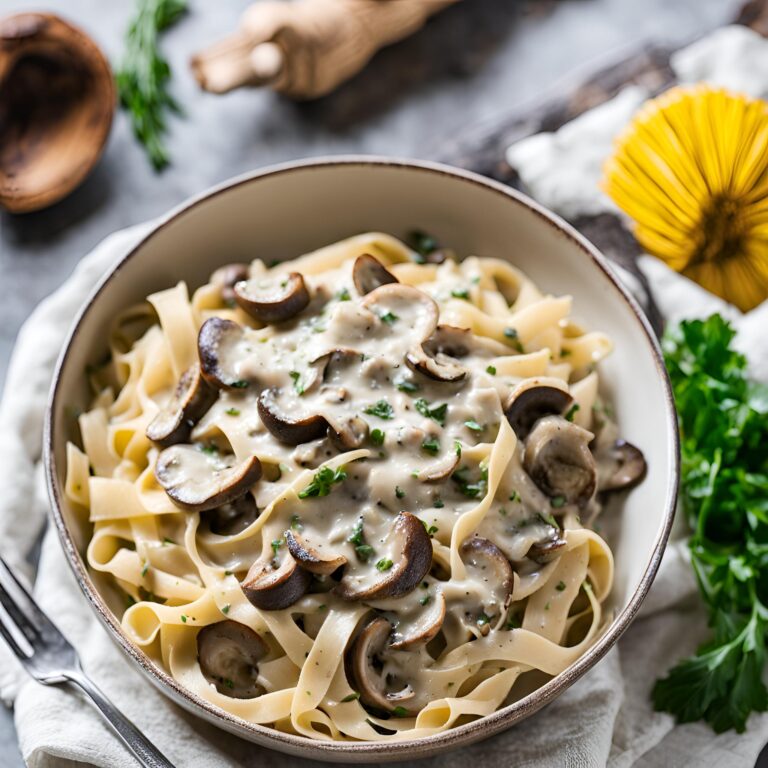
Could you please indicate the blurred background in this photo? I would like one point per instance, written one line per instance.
(430, 96)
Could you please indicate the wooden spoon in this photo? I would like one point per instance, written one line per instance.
(57, 98)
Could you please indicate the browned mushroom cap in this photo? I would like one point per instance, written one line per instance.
(547, 548)
(217, 345)
(226, 277)
(490, 565)
(232, 518)
(414, 557)
(196, 480)
(272, 589)
(369, 273)
(309, 558)
(362, 660)
(273, 299)
(440, 470)
(437, 356)
(420, 632)
(558, 459)
(192, 398)
(530, 401)
(288, 430)
(626, 467)
(229, 654)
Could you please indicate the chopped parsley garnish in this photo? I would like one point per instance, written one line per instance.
(232, 411)
(438, 503)
(384, 564)
(144, 569)
(424, 600)
(557, 501)
(183, 618)
(343, 295)
(388, 317)
(572, 412)
(399, 492)
(357, 539)
(240, 384)
(560, 586)
(377, 437)
(400, 712)
(515, 496)
(211, 449)
(511, 334)
(457, 447)
(323, 481)
(468, 487)
(460, 293)
(382, 409)
(297, 385)
(483, 619)
(491, 369)
(225, 609)
(473, 425)
(296, 523)
(436, 413)
(406, 385)
(431, 445)
(513, 622)
(351, 697)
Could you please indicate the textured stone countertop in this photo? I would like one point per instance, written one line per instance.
(474, 62)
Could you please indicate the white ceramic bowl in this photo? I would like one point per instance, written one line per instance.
(284, 211)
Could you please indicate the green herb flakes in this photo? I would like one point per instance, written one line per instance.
(381, 409)
(322, 482)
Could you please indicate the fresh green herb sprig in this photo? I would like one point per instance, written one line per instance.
(723, 421)
(322, 482)
(143, 76)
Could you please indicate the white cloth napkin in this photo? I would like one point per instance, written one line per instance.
(604, 719)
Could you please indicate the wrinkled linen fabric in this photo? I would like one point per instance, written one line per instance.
(604, 719)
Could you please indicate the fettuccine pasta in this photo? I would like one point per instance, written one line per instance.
(350, 496)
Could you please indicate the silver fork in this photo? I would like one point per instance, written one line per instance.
(51, 660)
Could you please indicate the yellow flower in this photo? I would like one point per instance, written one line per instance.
(691, 170)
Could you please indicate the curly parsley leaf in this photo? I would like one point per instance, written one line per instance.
(322, 482)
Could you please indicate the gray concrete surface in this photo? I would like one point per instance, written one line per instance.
(476, 61)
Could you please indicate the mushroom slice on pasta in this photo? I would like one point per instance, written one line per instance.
(190, 400)
(198, 479)
(408, 559)
(558, 459)
(229, 654)
(273, 584)
(273, 299)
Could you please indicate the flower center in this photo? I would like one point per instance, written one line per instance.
(722, 231)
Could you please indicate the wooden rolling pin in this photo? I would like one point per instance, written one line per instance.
(306, 48)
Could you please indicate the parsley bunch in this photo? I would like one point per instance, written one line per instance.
(143, 75)
(724, 428)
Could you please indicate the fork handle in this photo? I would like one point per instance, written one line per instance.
(138, 744)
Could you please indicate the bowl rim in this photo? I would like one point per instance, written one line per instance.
(385, 751)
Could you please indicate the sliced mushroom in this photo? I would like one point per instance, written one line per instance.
(420, 632)
(414, 557)
(347, 434)
(273, 299)
(288, 430)
(369, 273)
(226, 277)
(621, 468)
(191, 399)
(229, 655)
(234, 517)
(272, 589)
(440, 470)
(309, 558)
(363, 658)
(548, 548)
(196, 480)
(487, 563)
(558, 459)
(530, 401)
(217, 348)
